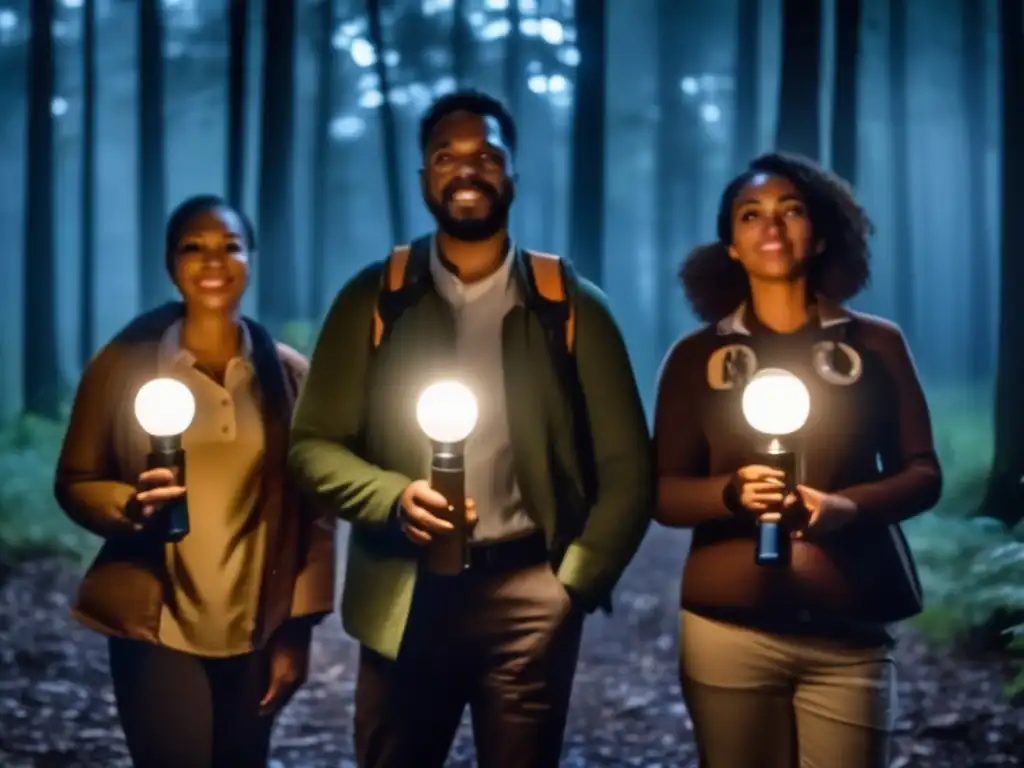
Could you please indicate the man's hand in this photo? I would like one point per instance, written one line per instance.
(417, 507)
(289, 665)
(828, 512)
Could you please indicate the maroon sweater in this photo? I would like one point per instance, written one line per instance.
(868, 438)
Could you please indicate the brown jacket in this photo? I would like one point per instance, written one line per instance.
(123, 591)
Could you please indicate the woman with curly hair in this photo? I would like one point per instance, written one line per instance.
(792, 665)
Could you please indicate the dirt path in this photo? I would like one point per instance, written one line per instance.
(56, 706)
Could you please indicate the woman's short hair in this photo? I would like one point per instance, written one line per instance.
(715, 284)
(187, 210)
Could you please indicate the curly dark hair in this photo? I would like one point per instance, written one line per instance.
(474, 102)
(187, 210)
(715, 284)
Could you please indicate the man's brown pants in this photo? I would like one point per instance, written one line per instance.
(504, 643)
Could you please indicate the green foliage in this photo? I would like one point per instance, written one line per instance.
(972, 568)
(30, 521)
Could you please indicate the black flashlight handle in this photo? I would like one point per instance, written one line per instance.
(449, 553)
(173, 523)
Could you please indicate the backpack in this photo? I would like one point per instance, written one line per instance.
(552, 303)
(554, 307)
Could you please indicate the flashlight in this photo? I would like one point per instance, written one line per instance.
(776, 404)
(447, 413)
(164, 409)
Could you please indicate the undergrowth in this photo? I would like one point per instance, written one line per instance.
(972, 567)
(31, 524)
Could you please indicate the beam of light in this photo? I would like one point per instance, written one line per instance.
(569, 55)
(551, 32)
(362, 53)
(710, 113)
(347, 128)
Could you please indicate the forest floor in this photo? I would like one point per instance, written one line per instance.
(56, 705)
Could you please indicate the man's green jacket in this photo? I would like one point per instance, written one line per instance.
(356, 444)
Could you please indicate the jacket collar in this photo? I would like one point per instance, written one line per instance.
(829, 314)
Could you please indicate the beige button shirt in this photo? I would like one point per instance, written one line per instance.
(215, 570)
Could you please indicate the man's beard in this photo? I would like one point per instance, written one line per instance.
(472, 230)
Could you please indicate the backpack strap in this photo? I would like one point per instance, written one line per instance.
(392, 280)
(549, 280)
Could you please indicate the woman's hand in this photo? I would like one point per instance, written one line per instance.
(828, 512)
(154, 489)
(289, 665)
(758, 487)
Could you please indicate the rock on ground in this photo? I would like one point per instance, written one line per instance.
(56, 705)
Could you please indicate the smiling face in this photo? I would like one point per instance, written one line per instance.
(772, 236)
(211, 260)
(466, 177)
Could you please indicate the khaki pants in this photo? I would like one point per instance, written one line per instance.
(760, 700)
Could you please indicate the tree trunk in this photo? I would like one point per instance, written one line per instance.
(903, 245)
(42, 369)
(238, 27)
(748, 77)
(321, 158)
(278, 298)
(87, 280)
(799, 98)
(586, 235)
(975, 114)
(1004, 498)
(513, 70)
(462, 40)
(153, 283)
(512, 89)
(844, 90)
(388, 124)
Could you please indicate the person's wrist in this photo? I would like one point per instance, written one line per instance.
(731, 499)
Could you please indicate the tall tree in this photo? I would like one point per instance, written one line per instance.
(41, 368)
(513, 69)
(152, 171)
(87, 281)
(462, 42)
(238, 27)
(512, 83)
(844, 89)
(799, 93)
(902, 240)
(748, 76)
(586, 236)
(674, 169)
(972, 83)
(321, 156)
(278, 299)
(1004, 498)
(389, 127)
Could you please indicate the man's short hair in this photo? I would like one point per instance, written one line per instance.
(474, 102)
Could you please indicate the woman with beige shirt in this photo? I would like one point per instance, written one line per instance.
(208, 636)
